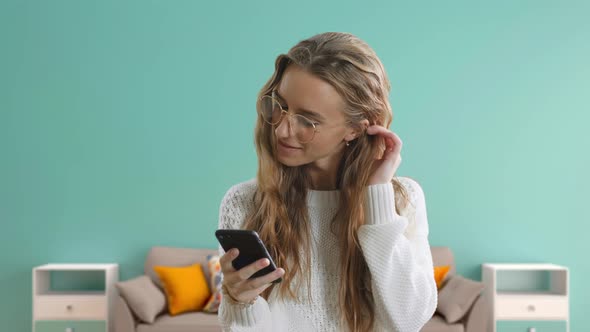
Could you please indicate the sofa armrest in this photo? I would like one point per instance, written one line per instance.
(476, 319)
(123, 320)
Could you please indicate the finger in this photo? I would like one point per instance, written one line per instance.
(389, 144)
(262, 288)
(248, 270)
(377, 130)
(393, 151)
(390, 156)
(248, 291)
(385, 133)
(382, 132)
(226, 259)
(265, 279)
(394, 143)
(231, 278)
(372, 130)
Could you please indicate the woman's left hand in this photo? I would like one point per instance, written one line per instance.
(385, 168)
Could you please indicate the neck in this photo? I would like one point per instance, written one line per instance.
(323, 173)
(322, 181)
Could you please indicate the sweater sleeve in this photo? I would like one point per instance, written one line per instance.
(235, 318)
(398, 255)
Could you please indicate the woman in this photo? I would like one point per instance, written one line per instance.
(350, 240)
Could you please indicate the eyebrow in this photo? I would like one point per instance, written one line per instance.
(303, 110)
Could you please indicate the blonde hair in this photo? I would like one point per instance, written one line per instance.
(281, 216)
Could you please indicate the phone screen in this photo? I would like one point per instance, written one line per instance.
(250, 247)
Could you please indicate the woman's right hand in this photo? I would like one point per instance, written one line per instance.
(237, 284)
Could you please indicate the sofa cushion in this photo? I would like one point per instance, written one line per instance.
(441, 275)
(438, 324)
(185, 286)
(174, 256)
(215, 280)
(443, 256)
(188, 322)
(457, 297)
(143, 297)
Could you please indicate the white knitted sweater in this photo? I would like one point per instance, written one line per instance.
(395, 247)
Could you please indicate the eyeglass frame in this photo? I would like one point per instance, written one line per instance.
(290, 114)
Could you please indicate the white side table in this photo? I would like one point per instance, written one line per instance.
(74, 310)
(527, 297)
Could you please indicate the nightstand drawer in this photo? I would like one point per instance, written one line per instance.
(70, 326)
(71, 308)
(532, 307)
(530, 326)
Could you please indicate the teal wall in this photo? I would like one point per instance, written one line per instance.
(123, 123)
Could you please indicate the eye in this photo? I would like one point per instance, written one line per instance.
(315, 121)
(281, 102)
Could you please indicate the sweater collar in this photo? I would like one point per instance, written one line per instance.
(326, 198)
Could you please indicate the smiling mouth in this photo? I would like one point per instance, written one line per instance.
(287, 146)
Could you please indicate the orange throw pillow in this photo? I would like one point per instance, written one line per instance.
(439, 274)
(185, 287)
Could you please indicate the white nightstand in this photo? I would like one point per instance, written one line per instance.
(75, 309)
(527, 297)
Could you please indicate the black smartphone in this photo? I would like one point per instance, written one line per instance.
(250, 249)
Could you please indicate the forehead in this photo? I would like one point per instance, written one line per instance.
(301, 89)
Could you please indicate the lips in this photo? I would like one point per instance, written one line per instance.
(287, 145)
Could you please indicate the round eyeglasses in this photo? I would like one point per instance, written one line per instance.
(272, 113)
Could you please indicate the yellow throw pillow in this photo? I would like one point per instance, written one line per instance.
(439, 274)
(185, 287)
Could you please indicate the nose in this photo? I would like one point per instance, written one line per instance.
(283, 130)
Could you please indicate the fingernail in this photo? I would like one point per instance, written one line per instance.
(264, 262)
(234, 252)
(281, 272)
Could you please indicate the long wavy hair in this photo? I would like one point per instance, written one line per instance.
(281, 215)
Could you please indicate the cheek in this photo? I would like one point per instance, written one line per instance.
(320, 148)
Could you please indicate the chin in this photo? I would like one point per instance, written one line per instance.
(289, 162)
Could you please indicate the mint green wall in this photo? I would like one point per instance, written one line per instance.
(123, 123)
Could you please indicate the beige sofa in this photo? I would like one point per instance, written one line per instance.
(125, 321)
(476, 318)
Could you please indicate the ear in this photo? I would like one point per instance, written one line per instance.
(356, 132)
